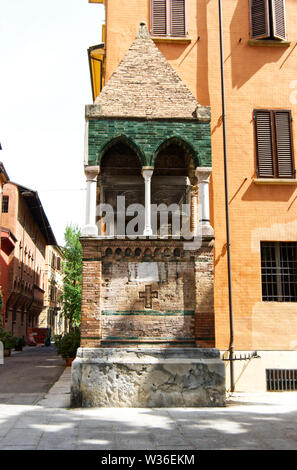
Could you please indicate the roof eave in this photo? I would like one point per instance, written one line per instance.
(202, 114)
(4, 173)
(38, 213)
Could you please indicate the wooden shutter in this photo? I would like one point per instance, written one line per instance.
(264, 143)
(283, 143)
(178, 17)
(278, 19)
(259, 19)
(159, 17)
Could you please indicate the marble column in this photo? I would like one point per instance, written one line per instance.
(147, 173)
(194, 209)
(203, 176)
(90, 229)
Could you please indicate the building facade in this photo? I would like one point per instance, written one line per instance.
(52, 314)
(23, 276)
(259, 39)
(6, 240)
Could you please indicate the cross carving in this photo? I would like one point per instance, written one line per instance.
(148, 296)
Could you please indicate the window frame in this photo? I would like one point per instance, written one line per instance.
(269, 12)
(168, 25)
(280, 276)
(5, 204)
(275, 158)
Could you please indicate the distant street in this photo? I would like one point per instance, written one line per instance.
(27, 376)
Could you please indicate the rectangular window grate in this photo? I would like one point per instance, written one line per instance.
(279, 271)
(5, 203)
(278, 380)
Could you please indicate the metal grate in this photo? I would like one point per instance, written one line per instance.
(279, 271)
(278, 380)
(5, 203)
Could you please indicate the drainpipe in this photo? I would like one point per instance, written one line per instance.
(231, 325)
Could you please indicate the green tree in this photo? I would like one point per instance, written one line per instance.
(72, 268)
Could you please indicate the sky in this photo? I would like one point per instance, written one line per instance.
(44, 87)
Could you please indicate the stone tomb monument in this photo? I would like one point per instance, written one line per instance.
(147, 299)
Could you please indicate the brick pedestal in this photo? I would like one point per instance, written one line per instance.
(147, 292)
(147, 312)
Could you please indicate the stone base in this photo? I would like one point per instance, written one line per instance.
(183, 377)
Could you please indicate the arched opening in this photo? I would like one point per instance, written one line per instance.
(120, 185)
(174, 187)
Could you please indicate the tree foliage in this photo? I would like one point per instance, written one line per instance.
(72, 268)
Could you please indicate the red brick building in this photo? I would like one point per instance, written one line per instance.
(25, 232)
(4, 234)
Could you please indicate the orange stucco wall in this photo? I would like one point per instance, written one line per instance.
(256, 77)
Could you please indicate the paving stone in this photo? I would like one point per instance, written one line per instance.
(15, 447)
(21, 437)
(66, 445)
(281, 444)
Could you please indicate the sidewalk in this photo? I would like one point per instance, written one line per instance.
(250, 421)
(59, 394)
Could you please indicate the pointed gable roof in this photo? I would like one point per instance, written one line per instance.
(144, 85)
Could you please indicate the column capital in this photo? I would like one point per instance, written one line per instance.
(92, 173)
(147, 171)
(203, 173)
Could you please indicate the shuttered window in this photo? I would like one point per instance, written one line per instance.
(278, 19)
(274, 143)
(267, 19)
(159, 17)
(168, 18)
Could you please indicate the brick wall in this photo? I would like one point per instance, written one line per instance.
(117, 275)
(255, 77)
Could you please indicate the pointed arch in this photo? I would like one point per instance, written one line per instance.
(181, 142)
(121, 138)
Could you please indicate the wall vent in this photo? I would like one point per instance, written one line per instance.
(278, 380)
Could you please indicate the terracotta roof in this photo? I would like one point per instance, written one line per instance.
(144, 85)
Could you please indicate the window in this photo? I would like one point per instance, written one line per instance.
(168, 18)
(279, 271)
(52, 292)
(5, 203)
(53, 261)
(267, 19)
(274, 144)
